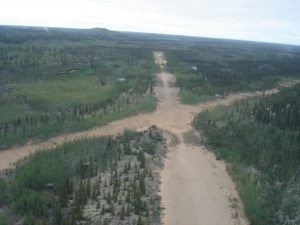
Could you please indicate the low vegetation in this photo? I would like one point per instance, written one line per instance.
(56, 80)
(213, 68)
(102, 180)
(259, 138)
(66, 80)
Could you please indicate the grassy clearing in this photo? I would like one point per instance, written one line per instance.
(9, 112)
(52, 95)
(51, 86)
(192, 98)
(145, 104)
(79, 101)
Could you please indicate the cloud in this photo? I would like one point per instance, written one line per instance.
(265, 20)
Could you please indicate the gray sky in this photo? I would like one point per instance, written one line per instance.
(260, 20)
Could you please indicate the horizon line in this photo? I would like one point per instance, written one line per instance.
(153, 33)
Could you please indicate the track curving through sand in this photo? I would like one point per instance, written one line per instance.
(195, 188)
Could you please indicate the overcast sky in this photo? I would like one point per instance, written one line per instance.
(260, 20)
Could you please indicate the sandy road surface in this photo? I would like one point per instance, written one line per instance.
(195, 187)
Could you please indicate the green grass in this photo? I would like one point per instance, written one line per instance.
(191, 98)
(3, 220)
(10, 112)
(145, 104)
(43, 100)
(51, 95)
(78, 92)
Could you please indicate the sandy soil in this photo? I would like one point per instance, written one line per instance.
(195, 188)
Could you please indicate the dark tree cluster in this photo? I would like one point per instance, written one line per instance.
(91, 181)
(222, 68)
(260, 137)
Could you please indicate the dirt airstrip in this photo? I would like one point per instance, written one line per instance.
(195, 188)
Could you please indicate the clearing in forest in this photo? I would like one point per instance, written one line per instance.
(196, 188)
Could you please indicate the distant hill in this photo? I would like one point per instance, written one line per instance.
(19, 34)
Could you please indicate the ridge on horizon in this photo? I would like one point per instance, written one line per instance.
(144, 33)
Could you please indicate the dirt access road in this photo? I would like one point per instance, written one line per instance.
(195, 188)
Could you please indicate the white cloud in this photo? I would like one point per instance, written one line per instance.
(265, 20)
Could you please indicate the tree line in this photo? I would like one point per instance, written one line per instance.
(260, 138)
(220, 68)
